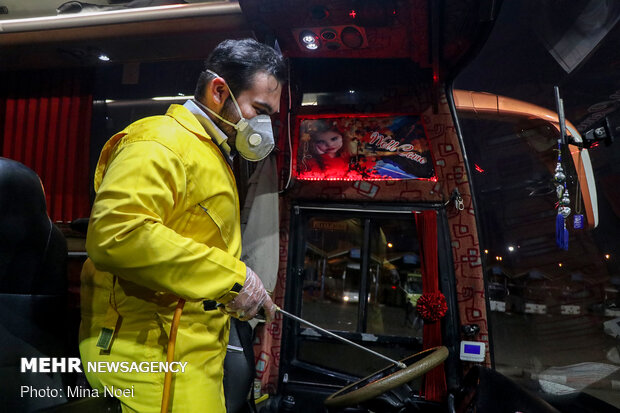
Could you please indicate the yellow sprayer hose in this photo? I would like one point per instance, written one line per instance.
(172, 338)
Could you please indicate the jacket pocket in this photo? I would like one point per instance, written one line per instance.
(210, 211)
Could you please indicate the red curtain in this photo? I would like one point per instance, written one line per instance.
(426, 225)
(46, 119)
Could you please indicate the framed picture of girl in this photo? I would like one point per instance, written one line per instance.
(362, 147)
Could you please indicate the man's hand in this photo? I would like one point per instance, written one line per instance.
(250, 299)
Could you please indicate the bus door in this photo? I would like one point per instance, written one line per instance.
(365, 292)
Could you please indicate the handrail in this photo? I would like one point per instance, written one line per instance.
(137, 15)
(491, 104)
(482, 103)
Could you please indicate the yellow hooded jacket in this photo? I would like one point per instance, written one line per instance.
(164, 225)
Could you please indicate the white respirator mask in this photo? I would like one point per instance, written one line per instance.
(254, 139)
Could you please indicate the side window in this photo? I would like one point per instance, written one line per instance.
(358, 276)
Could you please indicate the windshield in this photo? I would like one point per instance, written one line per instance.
(555, 314)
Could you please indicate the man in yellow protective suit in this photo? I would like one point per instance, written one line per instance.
(165, 226)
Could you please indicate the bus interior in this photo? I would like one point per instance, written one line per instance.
(468, 227)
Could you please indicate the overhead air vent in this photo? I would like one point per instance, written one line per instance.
(312, 39)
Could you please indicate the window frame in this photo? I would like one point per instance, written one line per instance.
(301, 373)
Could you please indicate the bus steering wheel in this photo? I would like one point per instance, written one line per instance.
(388, 378)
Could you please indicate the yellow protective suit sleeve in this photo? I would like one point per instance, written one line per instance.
(143, 189)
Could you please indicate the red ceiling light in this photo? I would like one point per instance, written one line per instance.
(353, 14)
(374, 13)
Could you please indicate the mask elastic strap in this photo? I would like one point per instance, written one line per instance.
(197, 102)
(233, 99)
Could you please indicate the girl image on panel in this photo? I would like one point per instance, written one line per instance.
(327, 157)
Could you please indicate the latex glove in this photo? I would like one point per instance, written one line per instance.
(250, 299)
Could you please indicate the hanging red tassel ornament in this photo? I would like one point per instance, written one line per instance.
(432, 306)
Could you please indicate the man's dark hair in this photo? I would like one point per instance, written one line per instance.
(238, 61)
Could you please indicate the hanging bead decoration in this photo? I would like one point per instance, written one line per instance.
(559, 176)
(578, 216)
(561, 232)
(564, 204)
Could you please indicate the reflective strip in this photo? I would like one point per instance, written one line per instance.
(235, 348)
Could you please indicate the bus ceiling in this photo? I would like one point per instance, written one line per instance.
(147, 34)
(437, 35)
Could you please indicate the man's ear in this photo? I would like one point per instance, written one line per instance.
(216, 94)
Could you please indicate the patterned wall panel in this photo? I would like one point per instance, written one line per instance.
(451, 174)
